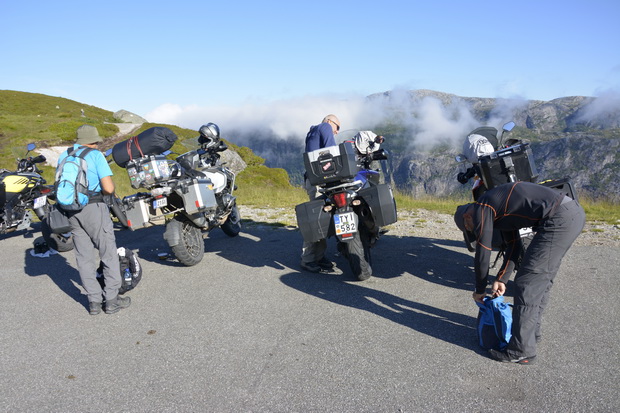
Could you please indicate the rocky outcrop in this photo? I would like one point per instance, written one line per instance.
(128, 117)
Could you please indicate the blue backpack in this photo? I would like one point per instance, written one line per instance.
(71, 184)
(494, 323)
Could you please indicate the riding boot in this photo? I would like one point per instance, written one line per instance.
(116, 304)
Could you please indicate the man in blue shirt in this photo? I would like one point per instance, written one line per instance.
(92, 230)
(319, 136)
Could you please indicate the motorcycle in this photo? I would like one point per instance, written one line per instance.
(492, 159)
(495, 162)
(354, 205)
(193, 193)
(25, 190)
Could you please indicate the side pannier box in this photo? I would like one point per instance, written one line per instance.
(518, 160)
(563, 186)
(198, 195)
(138, 212)
(330, 164)
(312, 221)
(148, 171)
(380, 200)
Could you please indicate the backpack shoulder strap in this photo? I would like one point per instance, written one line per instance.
(84, 152)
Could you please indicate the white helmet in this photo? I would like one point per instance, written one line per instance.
(365, 142)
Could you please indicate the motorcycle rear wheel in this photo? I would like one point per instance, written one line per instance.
(191, 247)
(56, 241)
(358, 256)
(232, 225)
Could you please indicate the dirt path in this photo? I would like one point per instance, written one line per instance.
(124, 129)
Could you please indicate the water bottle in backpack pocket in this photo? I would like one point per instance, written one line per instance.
(494, 323)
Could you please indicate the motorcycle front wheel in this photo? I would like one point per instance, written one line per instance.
(190, 247)
(58, 242)
(358, 256)
(232, 225)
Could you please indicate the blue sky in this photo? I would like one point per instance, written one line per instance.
(170, 59)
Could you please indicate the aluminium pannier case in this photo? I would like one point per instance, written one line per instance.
(495, 167)
(330, 164)
(381, 202)
(148, 171)
(153, 141)
(312, 221)
(198, 195)
(138, 212)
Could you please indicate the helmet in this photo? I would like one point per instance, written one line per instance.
(209, 135)
(365, 142)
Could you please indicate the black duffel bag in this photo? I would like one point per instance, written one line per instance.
(152, 141)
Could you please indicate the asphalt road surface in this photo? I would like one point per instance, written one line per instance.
(246, 331)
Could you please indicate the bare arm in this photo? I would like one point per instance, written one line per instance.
(107, 185)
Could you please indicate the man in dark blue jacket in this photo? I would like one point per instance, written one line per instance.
(557, 220)
(319, 136)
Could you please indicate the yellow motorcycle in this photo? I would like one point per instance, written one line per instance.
(23, 192)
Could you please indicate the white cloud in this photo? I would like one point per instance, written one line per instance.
(428, 118)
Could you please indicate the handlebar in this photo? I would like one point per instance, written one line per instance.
(463, 177)
(39, 159)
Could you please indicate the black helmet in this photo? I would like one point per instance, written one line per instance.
(209, 135)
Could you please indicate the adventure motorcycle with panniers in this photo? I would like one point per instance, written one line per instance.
(25, 190)
(495, 162)
(354, 204)
(193, 193)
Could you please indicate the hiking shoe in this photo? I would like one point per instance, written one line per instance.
(325, 264)
(310, 266)
(506, 358)
(117, 304)
(94, 308)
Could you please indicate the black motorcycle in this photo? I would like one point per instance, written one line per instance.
(354, 205)
(24, 191)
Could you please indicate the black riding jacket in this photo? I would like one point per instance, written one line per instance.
(508, 208)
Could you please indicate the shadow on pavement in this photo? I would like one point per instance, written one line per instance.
(441, 324)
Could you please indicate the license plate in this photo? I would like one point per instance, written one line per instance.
(160, 202)
(345, 223)
(40, 202)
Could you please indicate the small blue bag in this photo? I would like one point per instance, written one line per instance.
(494, 323)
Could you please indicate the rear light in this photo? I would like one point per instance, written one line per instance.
(46, 190)
(340, 199)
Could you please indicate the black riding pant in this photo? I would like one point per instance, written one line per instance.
(538, 269)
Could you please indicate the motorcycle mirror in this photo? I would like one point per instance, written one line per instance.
(108, 152)
(31, 146)
(460, 158)
(165, 153)
(508, 126)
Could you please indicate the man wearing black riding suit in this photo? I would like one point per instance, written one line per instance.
(319, 136)
(557, 221)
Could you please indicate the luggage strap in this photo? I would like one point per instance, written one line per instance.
(130, 141)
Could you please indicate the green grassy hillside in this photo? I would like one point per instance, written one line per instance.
(53, 121)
